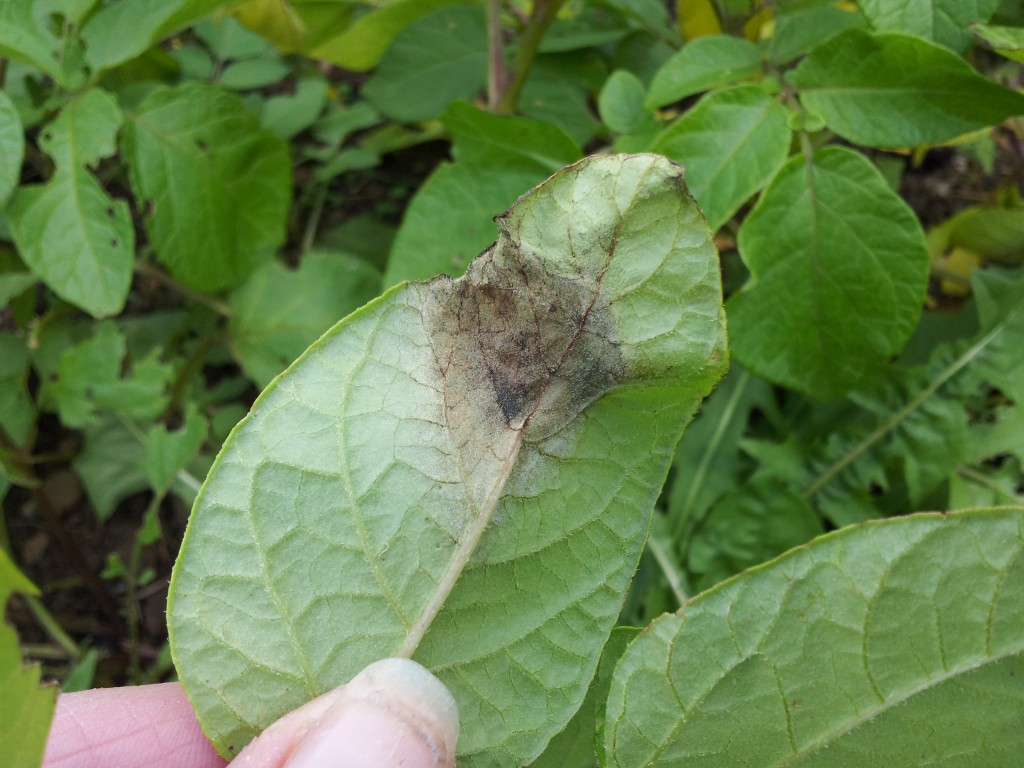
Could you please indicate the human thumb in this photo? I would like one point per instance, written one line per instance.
(393, 713)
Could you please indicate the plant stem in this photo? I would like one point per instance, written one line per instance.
(148, 270)
(984, 480)
(685, 520)
(893, 421)
(313, 222)
(495, 55)
(544, 12)
(52, 627)
(673, 577)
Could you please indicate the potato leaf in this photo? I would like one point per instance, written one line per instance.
(898, 642)
(72, 234)
(461, 472)
(818, 216)
(26, 708)
(219, 186)
(858, 81)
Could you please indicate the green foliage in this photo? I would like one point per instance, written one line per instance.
(77, 239)
(901, 618)
(852, 319)
(858, 80)
(236, 173)
(193, 191)
(731, 143)
(27, 709)
(432, 62)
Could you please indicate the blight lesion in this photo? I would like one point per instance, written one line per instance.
(520, 348)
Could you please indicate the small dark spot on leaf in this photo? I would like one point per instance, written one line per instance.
(110, 211)
(114, 242)
(203, 146)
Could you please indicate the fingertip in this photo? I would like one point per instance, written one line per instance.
(392, 713)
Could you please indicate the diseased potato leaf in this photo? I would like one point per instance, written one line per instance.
(461, 472)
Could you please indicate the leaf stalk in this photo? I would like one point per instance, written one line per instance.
(543, 14)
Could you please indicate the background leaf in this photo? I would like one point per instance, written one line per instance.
(17, 411)
(12, 147)
(943, 21)
(279, 312)
(437, 59)
(702, 64)
(481, 137)
(621, 102)
(89, 375)
(802, 26)
(858, 81)
(731, 144)
(746, 527)
(526, 487)
(1007, 41)
(219, 184)
(23, 39)
(170, 451)
(900, 641)
(25, 708)
(78, 240)
(818, 218)
(709, 462)
(449, 220)
(361, 45)
(123, 29)
(110, 464)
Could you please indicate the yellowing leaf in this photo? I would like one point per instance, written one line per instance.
(697, 18)
(955, 268)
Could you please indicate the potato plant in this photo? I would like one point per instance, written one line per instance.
(486, 470)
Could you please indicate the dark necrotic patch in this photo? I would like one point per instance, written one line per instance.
(517, 344)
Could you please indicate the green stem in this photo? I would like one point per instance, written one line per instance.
(52, 627)
(984, 480)
(685, 520)
(495, 55)
(147, 270)
(544, 13)
(672, 576)
(313, 222)
(893, 421)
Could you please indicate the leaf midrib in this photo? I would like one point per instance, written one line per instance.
(893, 701)
(465, 549)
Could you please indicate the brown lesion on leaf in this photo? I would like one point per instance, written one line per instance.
(518, 347)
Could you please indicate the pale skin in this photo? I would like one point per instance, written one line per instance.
(394, 713)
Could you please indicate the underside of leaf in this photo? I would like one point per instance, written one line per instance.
(461, 472)
(897, 642)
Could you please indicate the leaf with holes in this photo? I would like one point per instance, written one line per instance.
(461, 472)
(77, 239)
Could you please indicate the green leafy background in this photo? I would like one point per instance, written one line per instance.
(193, 191)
